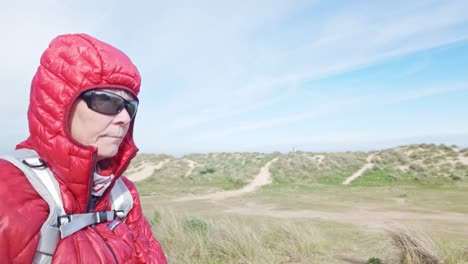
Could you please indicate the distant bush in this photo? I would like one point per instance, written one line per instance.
(390, 157)
(195, 225)
(208, 170)
(455, 177)
(416, 168)
(378, 177)
(374, 261)
(416, 156)
(445, 148)
(227, 171)
(156, 218)
(330, 168)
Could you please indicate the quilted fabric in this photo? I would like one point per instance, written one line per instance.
(70, 65)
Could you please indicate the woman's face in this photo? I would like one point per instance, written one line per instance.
(105, 132)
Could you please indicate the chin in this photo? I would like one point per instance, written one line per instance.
(107, 154)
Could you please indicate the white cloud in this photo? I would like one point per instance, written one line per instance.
(208, 61)
(329, 108)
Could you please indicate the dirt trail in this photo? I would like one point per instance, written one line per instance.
(361, 171)
(192, 165)
(368, 217)
(263, 178)
(147, 171)
(463, 159)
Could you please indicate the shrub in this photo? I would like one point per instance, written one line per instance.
(416, 168)
(195, 225)
(156, 218)
(374, 261)
(208, 170)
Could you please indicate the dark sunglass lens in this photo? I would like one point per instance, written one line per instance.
(131, 107)
(108, 103)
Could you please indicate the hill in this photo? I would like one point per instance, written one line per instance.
(346, 207)
(423, 164)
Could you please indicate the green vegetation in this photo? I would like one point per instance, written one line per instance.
(374, 261)
(306, 215)
(423, 165)
(151, 158)
(232, 239)
(215, 171)
(326, 168)
(416, 247)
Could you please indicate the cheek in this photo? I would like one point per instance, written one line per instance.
(86, 125)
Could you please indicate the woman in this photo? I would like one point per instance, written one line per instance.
(81, 114)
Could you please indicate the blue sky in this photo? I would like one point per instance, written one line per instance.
(264, 75)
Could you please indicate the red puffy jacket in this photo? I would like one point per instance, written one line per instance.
(70, 65)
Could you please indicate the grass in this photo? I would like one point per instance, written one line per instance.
(261, 240)
(415, 180)
(305, 168)
(424, 164)
(338, 197)
(418, 247)
(199, 239)
(387, 176)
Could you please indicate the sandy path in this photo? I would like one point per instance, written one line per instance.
(263, 178)
(192, 165)
(361, 171)
(463, 159)
(368, 217)
(147, 171)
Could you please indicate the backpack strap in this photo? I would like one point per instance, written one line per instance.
(122, 203)
(59, 224)
(41, 179)
(121, 198)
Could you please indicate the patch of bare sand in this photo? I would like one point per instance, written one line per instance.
(315, 158)
(366, 217)
(263, 178)
(463, 159)
(361, 171)
(147, 169)
(192, 165)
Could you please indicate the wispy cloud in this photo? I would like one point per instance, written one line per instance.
(348, 39)
(218, 68)
(328, 109)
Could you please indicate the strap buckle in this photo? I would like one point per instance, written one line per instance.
(35, 163)
(63, 219)
(120, 214)
(101, 217)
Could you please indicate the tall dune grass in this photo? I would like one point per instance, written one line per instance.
(415, 247)
(418, 247)
(234, 240)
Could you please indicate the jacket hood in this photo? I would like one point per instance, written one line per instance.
(72, 64)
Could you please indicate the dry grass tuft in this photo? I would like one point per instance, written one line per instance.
(415, 247)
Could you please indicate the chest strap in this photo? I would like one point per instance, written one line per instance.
(59, 224)
(71, 223)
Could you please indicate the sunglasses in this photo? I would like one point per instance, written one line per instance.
(109, 103)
